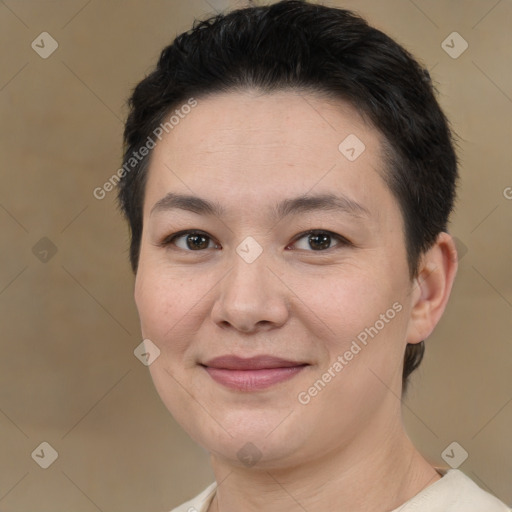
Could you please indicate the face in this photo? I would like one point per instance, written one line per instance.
(269, 245)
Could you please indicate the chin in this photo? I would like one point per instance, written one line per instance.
(250, 443)
(259, 454)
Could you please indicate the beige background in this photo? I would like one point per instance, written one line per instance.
(68, 375)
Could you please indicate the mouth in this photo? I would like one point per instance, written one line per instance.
(252, 374)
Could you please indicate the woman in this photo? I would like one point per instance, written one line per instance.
(288, 178)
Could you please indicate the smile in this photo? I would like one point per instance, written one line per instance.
(252, 374)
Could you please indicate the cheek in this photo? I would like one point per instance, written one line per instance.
(362, 316)
(347, 302)
(171, 305)
(160, 303)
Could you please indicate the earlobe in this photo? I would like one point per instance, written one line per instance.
(432, 287)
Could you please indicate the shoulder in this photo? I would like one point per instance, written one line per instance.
(200, 503)
(455, 492)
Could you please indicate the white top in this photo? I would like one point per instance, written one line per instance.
(454, 492)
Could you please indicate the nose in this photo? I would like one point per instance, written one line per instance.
(251, 297)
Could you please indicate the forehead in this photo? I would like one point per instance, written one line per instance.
(280, 120)
(250, 147)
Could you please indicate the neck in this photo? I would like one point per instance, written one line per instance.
(367, 476)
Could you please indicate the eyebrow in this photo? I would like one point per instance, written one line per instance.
(300, 204)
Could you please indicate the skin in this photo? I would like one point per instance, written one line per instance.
(347, 449)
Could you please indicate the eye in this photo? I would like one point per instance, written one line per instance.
(318, 240)
(190, 241)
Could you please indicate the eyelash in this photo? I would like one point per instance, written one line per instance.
(342, 241)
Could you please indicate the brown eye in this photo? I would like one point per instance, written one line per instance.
(195, 242)
(319, 241)
(190, 241)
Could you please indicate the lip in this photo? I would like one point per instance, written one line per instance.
(253, 373)
(231, 362)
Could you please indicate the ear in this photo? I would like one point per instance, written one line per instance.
(432, 287)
